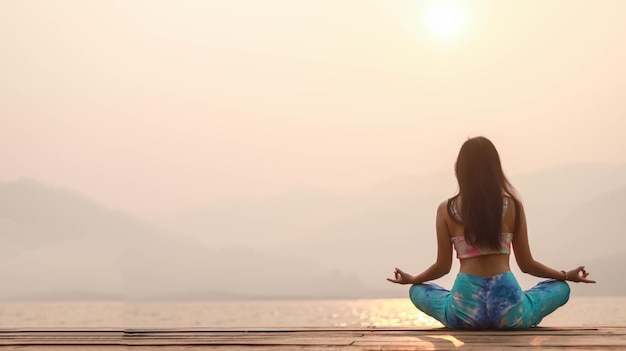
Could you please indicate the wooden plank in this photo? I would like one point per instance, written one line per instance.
(581, 338)
(584, 338)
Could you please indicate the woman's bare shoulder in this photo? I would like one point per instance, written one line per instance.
(443, 206)
(442, 210)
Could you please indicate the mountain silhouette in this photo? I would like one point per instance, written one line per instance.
(305, 243)
(55, 242)
(392, 223)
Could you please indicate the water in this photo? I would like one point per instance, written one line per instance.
(271, 314)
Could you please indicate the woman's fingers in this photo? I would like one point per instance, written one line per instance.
(585, 280)
(581, 275)
(396, 274)
(400, 277)
(585, 273)
(393, 280)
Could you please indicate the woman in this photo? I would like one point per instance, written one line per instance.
(482, 222)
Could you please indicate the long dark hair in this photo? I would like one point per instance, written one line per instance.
(482, 185)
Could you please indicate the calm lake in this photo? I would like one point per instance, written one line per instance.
(271, 314)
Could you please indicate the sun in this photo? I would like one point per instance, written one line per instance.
(445, 18)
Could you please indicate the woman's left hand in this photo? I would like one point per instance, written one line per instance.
(579, 275)
(402, 277)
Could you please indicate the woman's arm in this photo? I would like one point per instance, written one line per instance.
(529, 265)
(443, 263)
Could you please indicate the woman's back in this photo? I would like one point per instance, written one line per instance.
(483, 265)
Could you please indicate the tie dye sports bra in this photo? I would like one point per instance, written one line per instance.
(465, 250)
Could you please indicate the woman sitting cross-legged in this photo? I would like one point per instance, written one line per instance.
(482, 222)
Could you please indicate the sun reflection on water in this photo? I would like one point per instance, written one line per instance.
(220, 314)
(392, 313)
(271, 314)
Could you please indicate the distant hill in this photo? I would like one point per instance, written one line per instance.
(569, 185)
(594, 229)
(573, 206)
(304, 243)
(392, 223)
(57, 244)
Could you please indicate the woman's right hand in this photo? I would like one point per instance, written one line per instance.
(401, 277)
(579, 275)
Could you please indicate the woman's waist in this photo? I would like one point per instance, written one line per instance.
(471, 282)
(485, 266)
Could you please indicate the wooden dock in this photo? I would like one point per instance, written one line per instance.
(359, 339)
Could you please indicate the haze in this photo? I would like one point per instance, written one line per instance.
(156, 106)
(165, 109)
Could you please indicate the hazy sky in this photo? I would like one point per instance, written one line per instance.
(155, 106)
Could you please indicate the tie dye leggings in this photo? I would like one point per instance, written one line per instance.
(496, 302)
